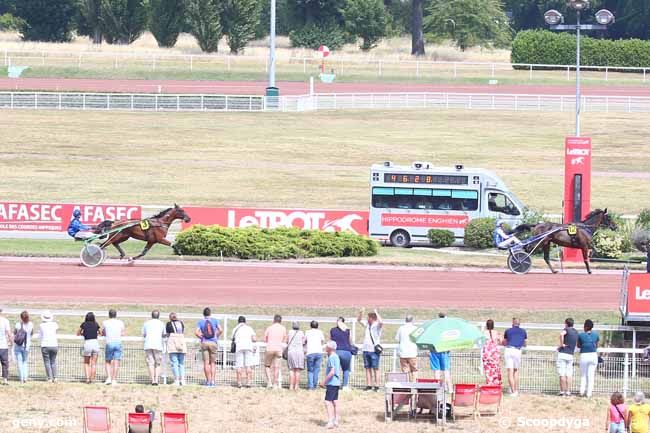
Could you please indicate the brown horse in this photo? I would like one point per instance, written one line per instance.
(581, 239)
(151, 230)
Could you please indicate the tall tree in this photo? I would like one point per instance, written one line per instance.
(469, 22)
(89, 22)
(47, 20)
(123, 21)
(240, 20)
(366, 19)
(417, 22)
(166, 21)
(205, 23)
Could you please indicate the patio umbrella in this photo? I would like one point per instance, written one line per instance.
(442, 335)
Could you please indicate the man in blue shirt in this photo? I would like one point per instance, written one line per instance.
(514, 339)
(332, 383)
(77, 229)
(208, 331)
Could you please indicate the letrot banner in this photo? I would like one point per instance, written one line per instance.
(638, 294)
(577, 185)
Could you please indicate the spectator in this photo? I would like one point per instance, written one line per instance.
(208, 331)
(441, 363)
(371, 347)
(407, 349)
(568, 341)
(6, 339)
(514, 339)
(616, 414)
(49, 344)
(638, 414)
(295, 355)
(588, 345)
(340, 334)
(244, 338)
(275, 338)
(176, 347)
(332, 384)
(89, 329)
(153, 331)
(314, 350)
(491, 355)
(143, 429)
(113, 331)
(22, 344)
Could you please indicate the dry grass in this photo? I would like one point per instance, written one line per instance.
(257, 410)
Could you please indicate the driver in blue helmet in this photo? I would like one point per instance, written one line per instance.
(502, 239)
(77, 229)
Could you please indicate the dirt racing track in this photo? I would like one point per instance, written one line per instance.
(185, 283)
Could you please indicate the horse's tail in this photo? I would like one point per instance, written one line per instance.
(521, 228)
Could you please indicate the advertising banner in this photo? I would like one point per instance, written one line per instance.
(577, 185)
(638, 294)
(414, 220)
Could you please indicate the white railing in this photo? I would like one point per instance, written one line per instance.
(317, 102)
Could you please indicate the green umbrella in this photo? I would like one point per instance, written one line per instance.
(442, 335)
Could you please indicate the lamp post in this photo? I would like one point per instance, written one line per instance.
(272, 90)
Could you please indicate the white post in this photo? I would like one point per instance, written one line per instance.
(79, 64)
(417, 69)
(644, 72)
(606, 73)
(228, 61)
(304, 65)
(108, 102)
(153, 63)
(191, 63)
(83, 106)
(492, 70)
(132, 101)
(7, 58)
(626, 374)
(633, 354)
(178, 102)
(380, 68)
(60, 97)
(115, 64)
(530, 73)
(311, 86)
(35, 101)
(271, 59)
(12, 100)
(43, 58)
(455, 70)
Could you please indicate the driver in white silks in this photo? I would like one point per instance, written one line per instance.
(502, 239)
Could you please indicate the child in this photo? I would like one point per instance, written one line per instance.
(332, 383)
(637, 414)
(616, 414)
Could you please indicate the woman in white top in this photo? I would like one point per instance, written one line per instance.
(243, 337)
(22, 344)
(49, 344)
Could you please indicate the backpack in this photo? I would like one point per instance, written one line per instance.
(208, 332)
(20, 339)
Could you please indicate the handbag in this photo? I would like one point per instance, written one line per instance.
(233, 345)
(285, 351)
(378, 349)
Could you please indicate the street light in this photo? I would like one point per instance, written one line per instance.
(556, 21)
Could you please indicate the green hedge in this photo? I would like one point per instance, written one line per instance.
(268, 244)
(608, 244)
(441, 238)
(557, 48)
(479, 233)
(313, 36)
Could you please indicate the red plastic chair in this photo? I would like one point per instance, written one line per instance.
(464, 396)
(489, 395)
(97, 419)
(174, 422)
(138, 422)
(426, 401)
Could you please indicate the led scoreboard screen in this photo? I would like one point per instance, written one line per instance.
(426, 179)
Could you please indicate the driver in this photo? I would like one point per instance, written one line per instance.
(77, 229)
(503, 239)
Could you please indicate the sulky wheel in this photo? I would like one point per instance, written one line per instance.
(519, 262)
(92, 255)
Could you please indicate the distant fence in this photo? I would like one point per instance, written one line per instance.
(318, 102)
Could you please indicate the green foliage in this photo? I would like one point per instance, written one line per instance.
(545, 47)
(269, 244)
(643, 219)
(240, 21)
(47, 20)
(479, 233)
(313, 36)
(89, 21)
(205, 23)
(366, 19)
(469, 23)
(166, 21)
(10, 23)
(8, 7)
(441, 238)
(123, 21)
(641, 239)
(608, 244)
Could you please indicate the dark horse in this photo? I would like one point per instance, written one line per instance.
(152, 230)
(582, 239)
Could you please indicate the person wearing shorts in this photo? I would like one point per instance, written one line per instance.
(332, 383)
(568, 341)
(275, 338)
(514, 339)
(153, 331)
(244, 338)
(208, 331)
(372, 338)
(113, 331)
(407, 349)
(89, 330)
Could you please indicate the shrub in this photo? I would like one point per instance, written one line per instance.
(10, 23)
(608, 244)
(366, 19)
(479, 233)
(641, 239)
(313, 36)
(269, 244)
(643, 220)
(441, 238)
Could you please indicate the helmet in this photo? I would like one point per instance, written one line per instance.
(76, 213)
(500, 222)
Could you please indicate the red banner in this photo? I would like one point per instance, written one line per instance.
(50, 217)
(309, 219)
(415, 220)
(638, 294)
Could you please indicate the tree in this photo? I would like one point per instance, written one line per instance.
(469, 22)
(47, 20)
(417, 34)
(123, 21)
(166, 21)
(366, 19)
(89, 22)
(205, 23)
(240, 21)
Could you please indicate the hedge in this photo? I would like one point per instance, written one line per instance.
(479, 233)
(608, 244)
(550, 48)
(441, 238)
(268, 244)
(312, 36)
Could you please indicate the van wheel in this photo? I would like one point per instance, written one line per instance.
(400, 239)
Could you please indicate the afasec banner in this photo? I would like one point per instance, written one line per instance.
(638, 294)
(50, 217)
(309, 219)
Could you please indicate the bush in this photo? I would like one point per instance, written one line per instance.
(608, 244)
(545, 47)
(366, 19)
(10, 23)
(643, 220)
(479, 233)
(313, 36)
(441, 238)
(269, 244)
(641, 239)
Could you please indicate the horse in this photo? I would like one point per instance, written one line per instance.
(152, 230)
(581, 239)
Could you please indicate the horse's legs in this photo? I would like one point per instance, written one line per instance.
(585, 256)
(116, 240)
(547, 256)
(118, 247)
(144, 251)
(169, 244)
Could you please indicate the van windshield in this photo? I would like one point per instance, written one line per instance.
(498, 202)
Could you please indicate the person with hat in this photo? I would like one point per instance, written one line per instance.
(502, 239)
(49, 344)
(77, 229)
(295, 355)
